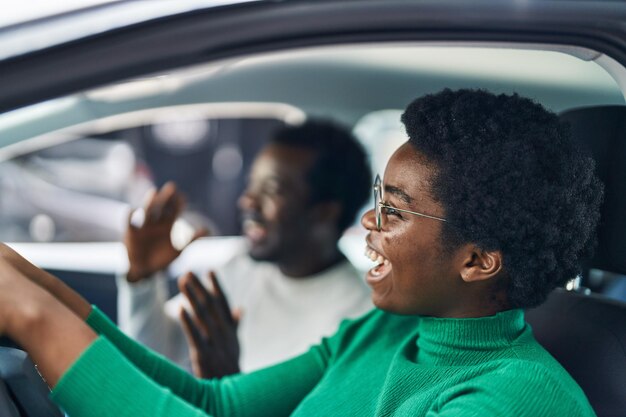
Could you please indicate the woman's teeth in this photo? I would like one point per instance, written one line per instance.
(375, 256)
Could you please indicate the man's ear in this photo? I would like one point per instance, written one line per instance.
(476, 264)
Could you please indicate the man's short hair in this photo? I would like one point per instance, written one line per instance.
(341, 170)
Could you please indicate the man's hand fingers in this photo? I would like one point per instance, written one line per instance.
(175, 205)
(173, 202)
(206, 299)
(183, 240)
(194, 336)
(149, 197)
(149, 203)
(223, 308)
(201, 302)
(202, 232)
(236, 315)
(162, 204)
(136, 219)
(219, 354)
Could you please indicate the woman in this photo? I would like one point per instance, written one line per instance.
(486, 209)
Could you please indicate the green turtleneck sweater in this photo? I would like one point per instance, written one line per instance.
(379, 365)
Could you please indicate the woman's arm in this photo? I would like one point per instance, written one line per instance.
(275, 391)
(60, 338)
(52, 334)
(57, 288)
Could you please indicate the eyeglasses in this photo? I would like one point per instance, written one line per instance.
(379, 205)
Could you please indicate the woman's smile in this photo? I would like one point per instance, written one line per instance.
(382, 266)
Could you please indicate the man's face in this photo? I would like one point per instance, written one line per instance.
(275, 204)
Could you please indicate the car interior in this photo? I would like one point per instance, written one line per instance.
(73, 165)
(587, 332)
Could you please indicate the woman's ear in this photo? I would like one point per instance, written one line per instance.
(478, 264)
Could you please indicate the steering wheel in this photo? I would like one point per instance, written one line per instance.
(23, 392)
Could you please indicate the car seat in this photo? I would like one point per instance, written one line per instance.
(586, 333)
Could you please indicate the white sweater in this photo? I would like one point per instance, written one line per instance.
(281, 316)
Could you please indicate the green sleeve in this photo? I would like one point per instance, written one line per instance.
(103, 383)
(272, 391)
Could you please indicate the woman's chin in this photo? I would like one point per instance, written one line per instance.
(379, 279)
(378, 275)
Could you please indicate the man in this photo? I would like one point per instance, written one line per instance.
(293, 285)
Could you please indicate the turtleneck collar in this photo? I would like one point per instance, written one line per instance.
(452, 341)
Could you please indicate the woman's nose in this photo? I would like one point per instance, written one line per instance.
(369, 220)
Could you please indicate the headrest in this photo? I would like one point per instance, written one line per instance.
(602, 129)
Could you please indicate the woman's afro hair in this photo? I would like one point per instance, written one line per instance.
(509, 178)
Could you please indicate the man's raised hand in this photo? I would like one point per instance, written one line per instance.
(148, 233)
(211, 328)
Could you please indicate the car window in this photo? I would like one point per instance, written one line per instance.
(82, 190)
(74, 166)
